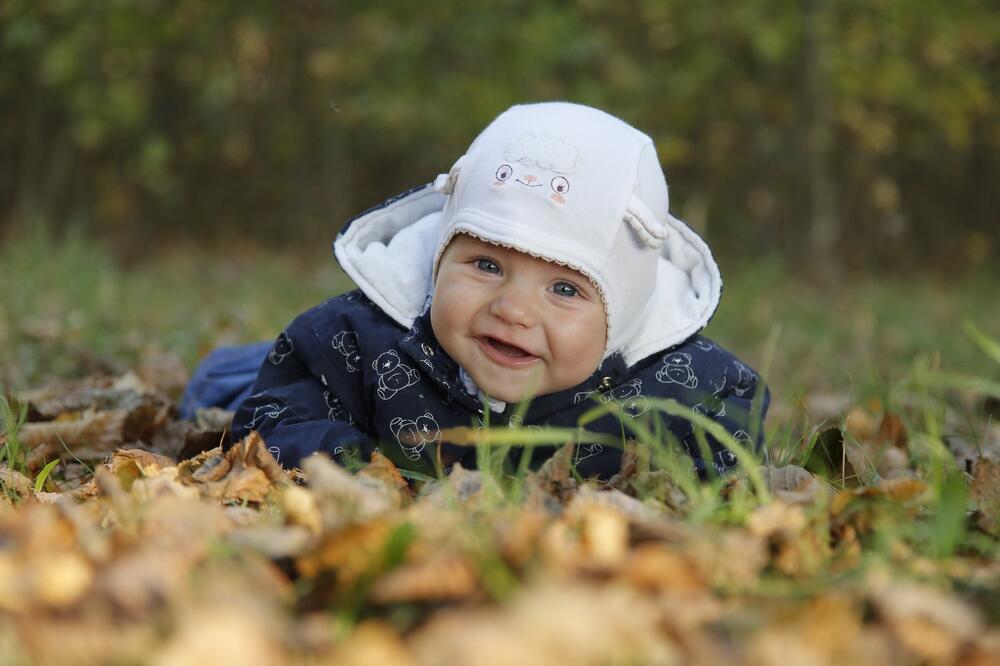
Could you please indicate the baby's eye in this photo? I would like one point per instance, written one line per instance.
(565, 289)
(560, 185)
(488, 266)
(504, 172)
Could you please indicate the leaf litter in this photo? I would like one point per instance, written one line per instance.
(151, 543)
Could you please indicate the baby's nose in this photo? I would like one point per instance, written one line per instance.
(515, 308)
(530, 179)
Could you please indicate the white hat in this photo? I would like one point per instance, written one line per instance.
(577, 186)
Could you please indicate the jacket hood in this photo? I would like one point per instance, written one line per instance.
(389, 252)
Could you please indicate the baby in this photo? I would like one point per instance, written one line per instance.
(543, 267)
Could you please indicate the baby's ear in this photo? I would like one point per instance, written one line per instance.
(445, 183)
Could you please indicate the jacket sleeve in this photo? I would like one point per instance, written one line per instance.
(303, 402)
(740, 407)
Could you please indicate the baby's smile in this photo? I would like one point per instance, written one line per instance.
(506, 354)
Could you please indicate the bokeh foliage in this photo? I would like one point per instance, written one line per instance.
(277, 120)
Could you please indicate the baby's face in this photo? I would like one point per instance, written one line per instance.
(519, 325)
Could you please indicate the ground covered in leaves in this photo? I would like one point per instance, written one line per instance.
(147, 543)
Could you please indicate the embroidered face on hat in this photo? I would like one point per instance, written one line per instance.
(571, 185)
(539, 161)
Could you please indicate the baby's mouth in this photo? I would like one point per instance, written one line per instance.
(510, 351)
(507, 350)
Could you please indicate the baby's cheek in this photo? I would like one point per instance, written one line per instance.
(581, 347)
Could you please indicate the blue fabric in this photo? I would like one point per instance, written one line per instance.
(345, 379)
(223, 378)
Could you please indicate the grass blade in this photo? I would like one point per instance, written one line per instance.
(989, 346)
(44, 474)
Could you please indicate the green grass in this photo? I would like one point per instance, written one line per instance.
(69, 307)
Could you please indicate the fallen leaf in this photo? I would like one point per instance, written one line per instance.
(384, 470)
(891, 431)
(793, 484)
(246, 472)
(443, 576)
(660, 568)
(985, 492)
(91, 435)
(928, 622)
(550, 624)
(777, 517)
(15, 481)
(554, 479)
(372, 643)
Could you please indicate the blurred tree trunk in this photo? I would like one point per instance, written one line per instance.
(821, 195)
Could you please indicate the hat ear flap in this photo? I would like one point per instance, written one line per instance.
(445, 182)
(642, 219)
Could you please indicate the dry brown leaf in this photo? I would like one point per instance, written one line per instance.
(635, 462)
(371, 644)
(90, 435)
(777, 517)
(273, 541)
(985, 492)
(827, 630)
(550, 625)
(793, 484)
(246, 472)
(39, 456)
(442, 577)
(227, 631)
(84, 640)
(933, 625)
(893, 463)
(661, 568)
(605, 535)
(646, 518)
(899, 490)
(730, 559)
(461, 487)
(47, 403)
(518, 532)
(553, 479)
(796, 547)
(344, 498)
(891, 431)
(300, 508)
(861, 423)
(131, 464)
(384, 470)
(350, 551)
(16, 481)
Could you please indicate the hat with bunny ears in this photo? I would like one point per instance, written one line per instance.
(574, 185)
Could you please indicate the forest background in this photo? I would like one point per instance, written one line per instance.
(860, 134)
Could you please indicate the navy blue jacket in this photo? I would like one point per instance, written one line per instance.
(345, 378)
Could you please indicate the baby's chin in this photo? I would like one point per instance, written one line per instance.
(507, 394)
(499, 388)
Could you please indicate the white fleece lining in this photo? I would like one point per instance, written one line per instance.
(389, 253)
